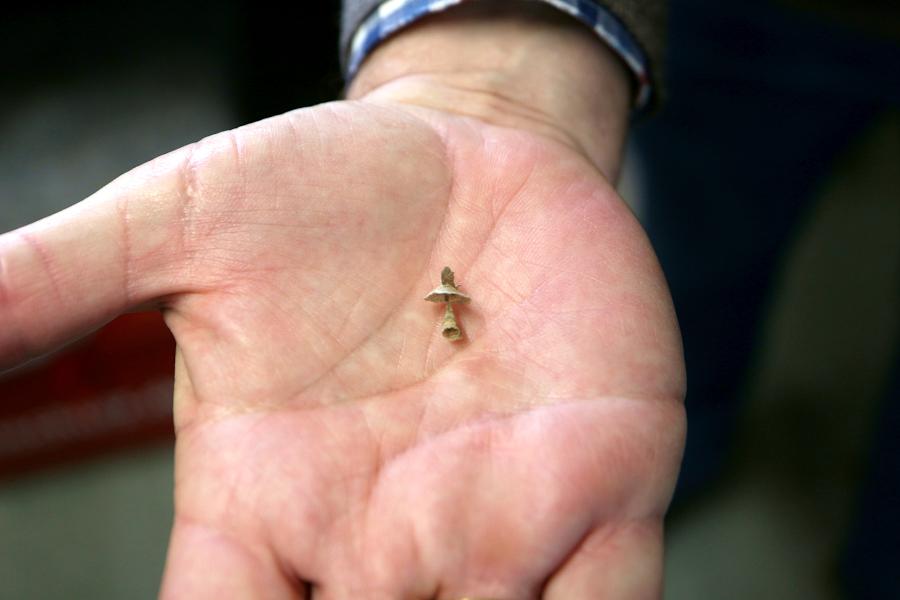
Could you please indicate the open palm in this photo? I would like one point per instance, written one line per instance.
(331, 444)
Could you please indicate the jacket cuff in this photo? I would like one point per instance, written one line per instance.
(393, 15)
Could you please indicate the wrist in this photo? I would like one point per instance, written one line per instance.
(529, 67)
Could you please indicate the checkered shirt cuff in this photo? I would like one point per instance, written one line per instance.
(393, 15)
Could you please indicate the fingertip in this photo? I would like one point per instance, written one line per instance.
(616, 561)
(204, 562)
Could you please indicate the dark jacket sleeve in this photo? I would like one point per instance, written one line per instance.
(644, 19)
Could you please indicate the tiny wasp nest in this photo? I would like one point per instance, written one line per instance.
(448, 293)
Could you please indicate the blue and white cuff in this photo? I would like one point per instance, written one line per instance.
(393, 15)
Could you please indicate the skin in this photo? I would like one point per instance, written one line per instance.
(330, 443)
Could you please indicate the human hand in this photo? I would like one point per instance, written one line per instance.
(328, 438)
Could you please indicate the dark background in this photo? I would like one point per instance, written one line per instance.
(276, 56)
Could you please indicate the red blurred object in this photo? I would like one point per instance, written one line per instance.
(107, 392)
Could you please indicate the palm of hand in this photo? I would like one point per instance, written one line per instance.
(328, 434)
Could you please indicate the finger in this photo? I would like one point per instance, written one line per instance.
(614, 562)
(75, 270)
(205, 563)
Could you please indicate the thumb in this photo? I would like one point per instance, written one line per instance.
(120, 248)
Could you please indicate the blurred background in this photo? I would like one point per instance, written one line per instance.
(92, 89)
